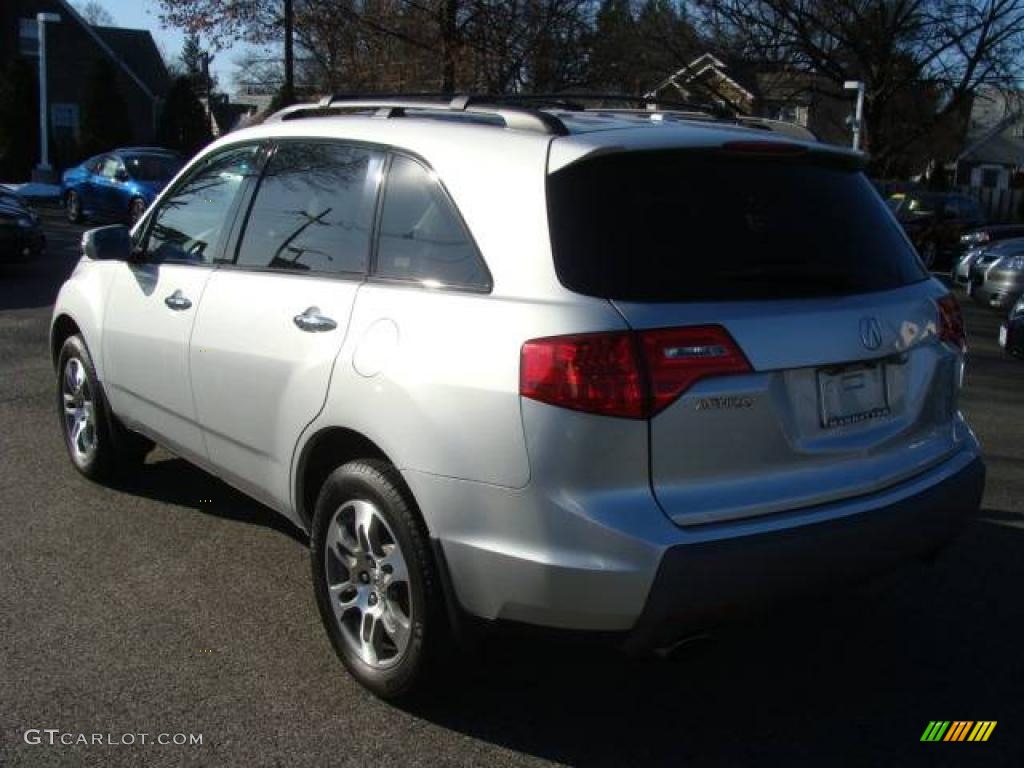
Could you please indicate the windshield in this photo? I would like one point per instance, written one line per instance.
(152, 167)
(701, 226)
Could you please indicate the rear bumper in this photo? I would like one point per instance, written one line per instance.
(698, 585)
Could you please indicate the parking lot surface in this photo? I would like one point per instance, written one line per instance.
(173, 604)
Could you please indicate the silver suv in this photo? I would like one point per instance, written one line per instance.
(615, 372)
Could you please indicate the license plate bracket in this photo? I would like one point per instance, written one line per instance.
(853, 394)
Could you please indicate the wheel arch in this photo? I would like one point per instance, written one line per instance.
(321, 454)
(63, 328)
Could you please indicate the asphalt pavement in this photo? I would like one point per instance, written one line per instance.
(175, 605)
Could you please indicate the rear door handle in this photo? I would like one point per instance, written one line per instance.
(312, 321)
(177, 301)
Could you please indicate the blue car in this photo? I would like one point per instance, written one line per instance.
(118, 185)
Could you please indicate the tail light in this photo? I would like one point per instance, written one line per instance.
(632, 375)
(677, 358)
(951, 322)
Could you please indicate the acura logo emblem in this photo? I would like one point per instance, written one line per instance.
(870, 333)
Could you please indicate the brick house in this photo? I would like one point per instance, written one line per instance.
(74, 48)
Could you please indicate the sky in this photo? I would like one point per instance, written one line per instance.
(145, 14)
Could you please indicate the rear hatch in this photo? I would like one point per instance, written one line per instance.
(788, 254)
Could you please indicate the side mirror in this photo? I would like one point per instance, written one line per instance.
(113, 243)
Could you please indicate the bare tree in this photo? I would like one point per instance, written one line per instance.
(922, 60)
(224, 21)
(444, 45)
(94, 13)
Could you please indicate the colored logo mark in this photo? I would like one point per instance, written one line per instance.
(958, 730)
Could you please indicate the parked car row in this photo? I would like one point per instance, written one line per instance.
(21, 234)
(991, 272)
(119, 185)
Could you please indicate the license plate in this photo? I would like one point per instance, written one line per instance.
(1002, 336)
(852, 395)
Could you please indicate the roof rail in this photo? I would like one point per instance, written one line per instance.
(515, 117)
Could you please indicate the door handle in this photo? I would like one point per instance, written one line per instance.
(312, 321)
(177, 301)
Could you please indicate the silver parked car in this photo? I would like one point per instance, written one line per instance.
(481, 354)
(997, 277)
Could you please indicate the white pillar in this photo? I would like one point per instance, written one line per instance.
(44, 107)
(858, 112)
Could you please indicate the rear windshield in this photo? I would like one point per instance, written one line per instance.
(702, 226)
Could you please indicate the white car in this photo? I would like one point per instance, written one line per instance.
(595, 372)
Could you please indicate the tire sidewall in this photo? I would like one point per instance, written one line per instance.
(99, 464)
(361, 481)
(74, 204)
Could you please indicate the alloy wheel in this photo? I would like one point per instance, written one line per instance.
(79, 411)
(368, 584)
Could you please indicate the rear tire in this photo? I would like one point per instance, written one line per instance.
(73, 203)
(375, 579)
(98, 445)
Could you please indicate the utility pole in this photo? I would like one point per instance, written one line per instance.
(44, 169)
(858, 113)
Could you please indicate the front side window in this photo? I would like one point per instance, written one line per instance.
(422, 238)
(192, 220)
(313, 211)
(109, 168)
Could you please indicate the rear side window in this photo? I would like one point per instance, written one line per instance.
(702, 226)
(313, 211)
(422, 237)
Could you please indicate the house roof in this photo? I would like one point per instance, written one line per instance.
(138, 50)
(1001, 149)
(118, 59)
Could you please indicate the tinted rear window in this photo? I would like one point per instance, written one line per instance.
(697, 226)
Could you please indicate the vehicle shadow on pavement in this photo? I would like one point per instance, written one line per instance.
(852, 678)
(171, 480)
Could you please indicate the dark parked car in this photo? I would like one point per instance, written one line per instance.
(21, 234)
(1011, 334)
(119, 185)
(935, 222)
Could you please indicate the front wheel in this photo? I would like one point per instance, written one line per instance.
(374, 578)
(97, 443)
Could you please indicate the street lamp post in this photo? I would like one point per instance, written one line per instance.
(44, 167)
(858, 114)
